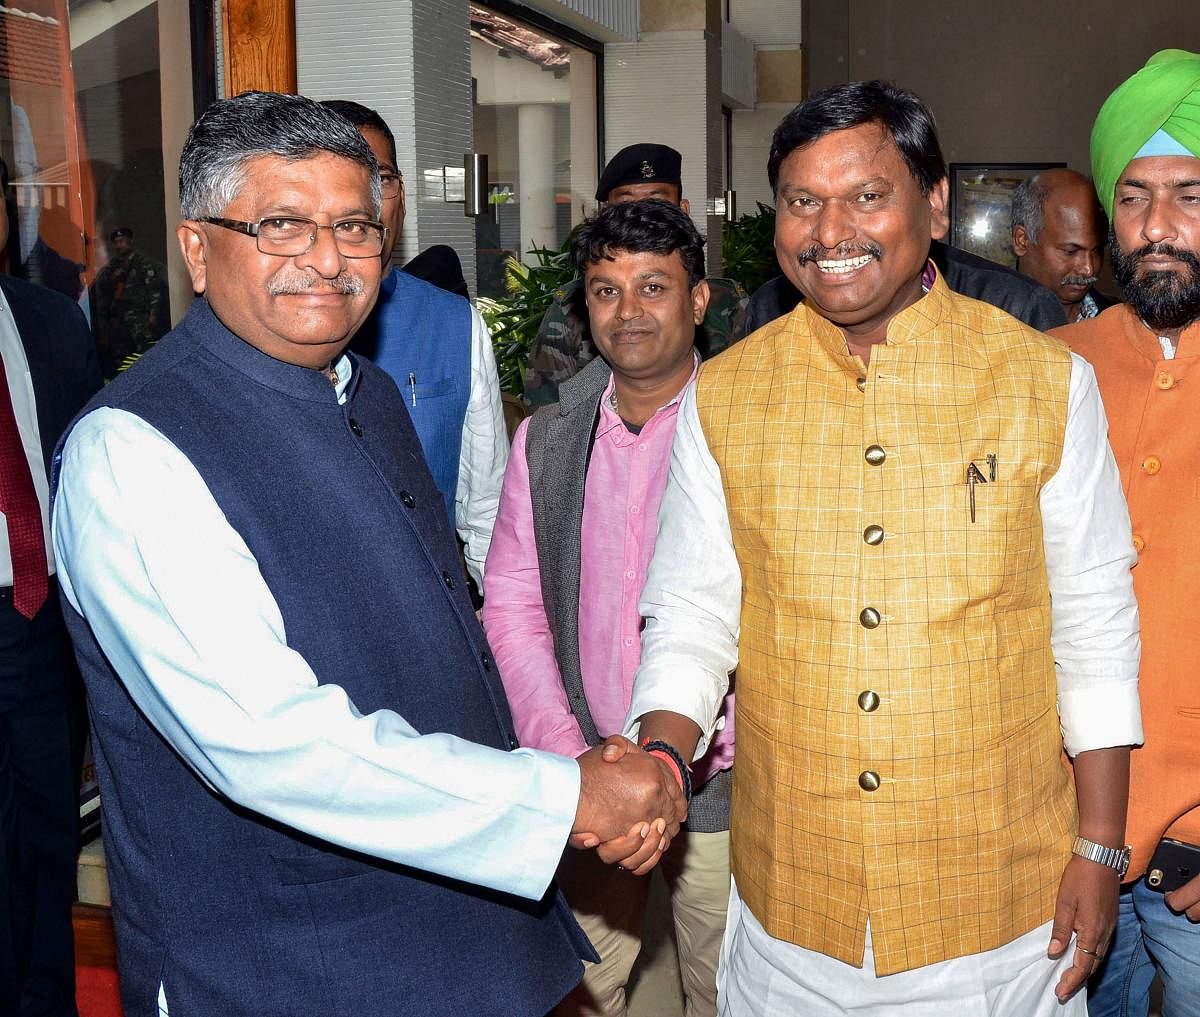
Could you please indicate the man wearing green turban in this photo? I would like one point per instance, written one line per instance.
(1158, 107)
(1146, 353)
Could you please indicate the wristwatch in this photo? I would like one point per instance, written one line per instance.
(1114, 858)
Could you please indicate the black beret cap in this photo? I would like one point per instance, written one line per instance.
(640, 164)
(121, 231)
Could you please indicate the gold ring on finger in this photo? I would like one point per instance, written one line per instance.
(1090, 953)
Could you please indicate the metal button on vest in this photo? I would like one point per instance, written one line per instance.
(875, 455)
(868, 701)
(1164, 380)
(448, 580)
(873, 534)
(513, 743)
(868, 780)
(1139, 543)
(862, 384)
(356, 427)
(485, 659)
(407, 500)
(1151, 465)
(869, 618)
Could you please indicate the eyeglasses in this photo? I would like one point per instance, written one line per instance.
(390, 184)
(289, 237)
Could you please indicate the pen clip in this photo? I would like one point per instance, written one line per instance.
(974, 476)
(412, 386)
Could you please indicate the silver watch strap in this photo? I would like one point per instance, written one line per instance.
(1114, 858)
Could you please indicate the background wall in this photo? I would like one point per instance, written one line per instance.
(1019, 81)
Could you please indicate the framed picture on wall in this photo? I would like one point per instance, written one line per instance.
(981, 205)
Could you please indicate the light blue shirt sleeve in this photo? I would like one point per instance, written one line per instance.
(179, 605)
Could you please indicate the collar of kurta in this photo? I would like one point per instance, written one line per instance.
(290, 379)
(924, 317)
(1145, 339)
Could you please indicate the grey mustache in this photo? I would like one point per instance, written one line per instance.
(295, 284)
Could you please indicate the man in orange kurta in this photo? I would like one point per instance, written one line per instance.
(1146, 353)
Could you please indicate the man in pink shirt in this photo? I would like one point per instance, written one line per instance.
(571, 546)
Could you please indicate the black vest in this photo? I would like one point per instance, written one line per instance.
(236, 914)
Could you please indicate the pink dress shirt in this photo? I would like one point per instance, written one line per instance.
(625, 481)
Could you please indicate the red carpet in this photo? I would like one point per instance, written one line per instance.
(96, 992)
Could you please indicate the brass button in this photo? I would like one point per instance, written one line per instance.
(869, 618)
(868, 701)
(874, 455)
(1151, 465)
(862, 384)
(1139, 543)
(868, 780)
(873, 534)
(1164, 380)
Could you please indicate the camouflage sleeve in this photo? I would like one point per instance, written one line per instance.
(725, 320)
(560, 349)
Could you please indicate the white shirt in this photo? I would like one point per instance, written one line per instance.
(20, 390)
(692, 597)
(179, 606)
(484, 453)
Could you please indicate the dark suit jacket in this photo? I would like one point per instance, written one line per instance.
(964, 273)
(61, 354)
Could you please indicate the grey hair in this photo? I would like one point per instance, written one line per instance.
(232, 132)
(1029, 208)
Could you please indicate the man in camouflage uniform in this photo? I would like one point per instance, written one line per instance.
(130, 308)
(563, 346)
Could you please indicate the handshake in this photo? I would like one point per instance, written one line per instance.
(631, 804)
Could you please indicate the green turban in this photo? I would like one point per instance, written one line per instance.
(1163, 96)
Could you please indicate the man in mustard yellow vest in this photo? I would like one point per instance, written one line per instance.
(896, 513)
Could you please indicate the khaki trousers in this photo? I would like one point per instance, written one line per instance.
(611, 907)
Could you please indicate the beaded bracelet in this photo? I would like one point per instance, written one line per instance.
(669, 754)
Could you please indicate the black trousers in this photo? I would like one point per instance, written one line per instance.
(40, 735)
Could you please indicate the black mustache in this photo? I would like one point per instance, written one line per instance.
(819, 253)
(1163, 250)
(1078, 280)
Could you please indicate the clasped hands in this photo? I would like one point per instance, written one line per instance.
(630, 805)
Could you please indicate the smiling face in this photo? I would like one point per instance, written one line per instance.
(853, 229)
(302, 310)
(644, 314)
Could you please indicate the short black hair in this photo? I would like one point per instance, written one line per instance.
(898, 111)
(650, 225)
(363, 116)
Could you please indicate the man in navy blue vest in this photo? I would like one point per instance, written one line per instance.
(314, 802)
(437, 349)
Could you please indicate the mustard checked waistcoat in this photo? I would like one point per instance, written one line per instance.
(899, 752)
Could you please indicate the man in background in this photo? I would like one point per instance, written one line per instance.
(563, 345)
(48, 371)
(1058, 236)
(575, 533)
(437, 349)
(1146, 161)
(129, 300)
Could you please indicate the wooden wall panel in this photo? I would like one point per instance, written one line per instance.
(260, 45)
